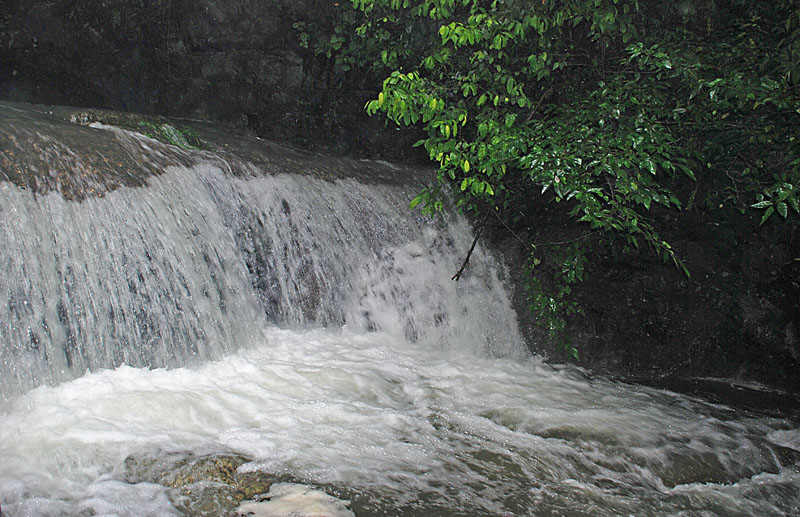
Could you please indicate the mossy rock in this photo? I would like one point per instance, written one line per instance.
(200, 484)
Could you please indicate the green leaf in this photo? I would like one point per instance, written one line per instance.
(782, 209)
(767, 213)
(761, 204)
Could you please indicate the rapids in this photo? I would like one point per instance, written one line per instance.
(305, 324)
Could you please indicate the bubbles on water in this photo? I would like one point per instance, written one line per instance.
(295, 500)
(393, 428)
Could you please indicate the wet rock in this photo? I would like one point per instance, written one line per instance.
(697, 467)
(206, 498)
(735, 318)
(200, 484)
(237, 62)
(177, 470)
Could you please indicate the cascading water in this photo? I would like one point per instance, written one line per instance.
(311, 334)
(191, 267)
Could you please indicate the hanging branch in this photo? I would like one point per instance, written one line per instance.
(457, 276)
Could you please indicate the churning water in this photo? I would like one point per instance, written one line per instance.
(309, 329)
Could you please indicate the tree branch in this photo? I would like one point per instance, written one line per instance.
(457, 276)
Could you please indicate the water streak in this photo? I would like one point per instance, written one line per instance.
(192, 266)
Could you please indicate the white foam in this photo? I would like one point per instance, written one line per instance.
(786, 437)
(294, 500)
(408, 424)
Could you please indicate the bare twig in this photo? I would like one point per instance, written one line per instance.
(538, 103)
(512, 232)
(457, 276)
(569, 241)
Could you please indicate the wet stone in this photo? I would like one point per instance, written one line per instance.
(199, 484)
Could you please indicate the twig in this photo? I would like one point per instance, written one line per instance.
(457, 276)
(538, 103)
(512, 232)
(569, 241)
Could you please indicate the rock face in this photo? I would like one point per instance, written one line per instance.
(31, 158)
(737, 316)
(236, 62)
(188, 56)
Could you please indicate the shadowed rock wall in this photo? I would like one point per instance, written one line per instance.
(737, 317)
(237, 62)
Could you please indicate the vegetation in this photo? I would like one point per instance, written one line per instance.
(615, 110)
(180, 136)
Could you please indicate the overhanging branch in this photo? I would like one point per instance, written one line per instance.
(457, 276)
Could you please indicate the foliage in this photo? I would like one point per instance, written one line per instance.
(351, 44)
(613, 109)
(553, 304)
(181, 136)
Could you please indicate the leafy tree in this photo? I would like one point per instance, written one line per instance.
(612, 109)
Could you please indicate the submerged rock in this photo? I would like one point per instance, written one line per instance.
(200, 484)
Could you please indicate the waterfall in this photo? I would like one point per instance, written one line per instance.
(192, 262)
(246, 327)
